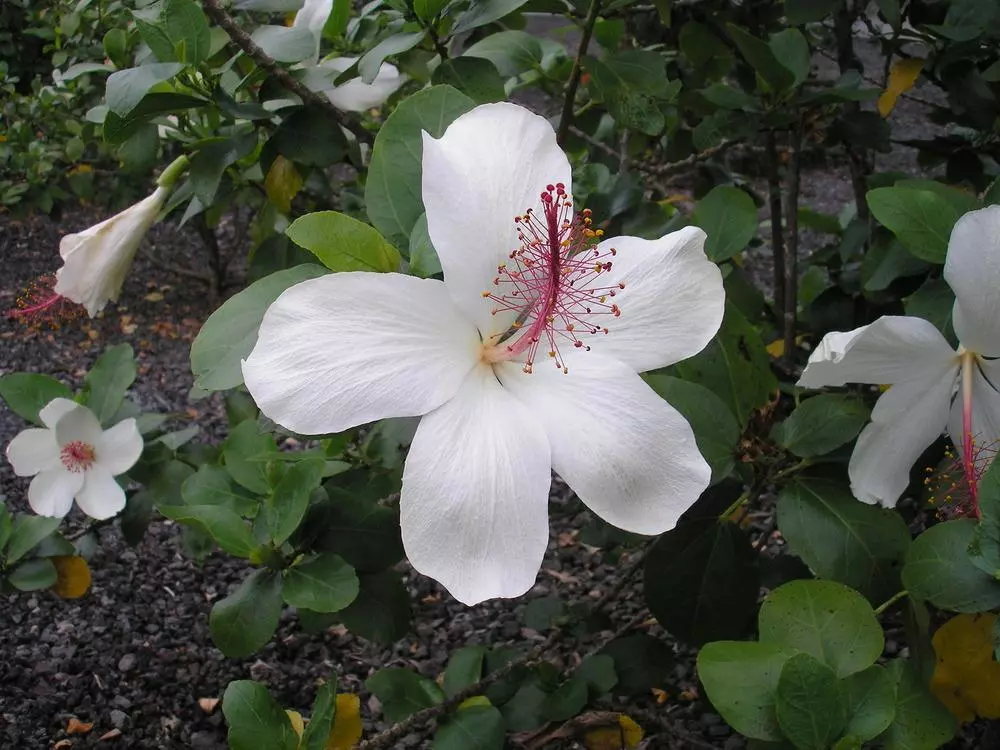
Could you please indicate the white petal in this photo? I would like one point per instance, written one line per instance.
(120, 447)
(101, 496)
(358, 96)
(672, 304)
(985, 410)
(78, 424)
(32, 451)
(313, 16)
(51, 492)
(491, 165)
(349, 348)
(97, 260)
(907, 418)
(972, 269)
(628, 454)
(53, 411)
(893, 349)
(474, 504)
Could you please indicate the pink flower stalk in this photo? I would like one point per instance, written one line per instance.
(38, 305)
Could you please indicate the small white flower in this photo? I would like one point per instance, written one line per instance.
(73, 458)
(313, 17)
(97, 260)
(925, 372)
(356, 95)
(523, 360)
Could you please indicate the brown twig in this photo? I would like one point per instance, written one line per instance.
(792, 245)
(774, 208)
(662, 170)
(243, 40)
(566, 119)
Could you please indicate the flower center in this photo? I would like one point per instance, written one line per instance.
(39, 306)
(556, 282)
(77, 456)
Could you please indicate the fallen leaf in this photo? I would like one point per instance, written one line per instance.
(62, 744)
(74, 576)
(282, 184)
(208, 704)
(75, 726)
(113, 734)
(346, 731)
(297, 723)
(154, 297)
(966, 677)
(560, 576)
(626, 736)
(902, 76)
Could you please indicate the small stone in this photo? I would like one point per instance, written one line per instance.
(127, 663)
(719, 730)
(120, 701)
(710, 720)
(118, 718)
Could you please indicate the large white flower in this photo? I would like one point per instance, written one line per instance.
(97, 260)
(356, 95)
(312, 17)
(924, 371)
(72, 457)
(523, 360)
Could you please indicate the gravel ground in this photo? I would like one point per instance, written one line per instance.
(134, 655)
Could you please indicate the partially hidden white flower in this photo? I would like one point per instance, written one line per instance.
(97, 260)
(73, 458)
(312, 16)
(356, 95)
(523, 360)
(934, 387)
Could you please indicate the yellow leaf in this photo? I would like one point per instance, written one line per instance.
(776, 348)
(74, 576)
(75, 726)
(966, 677)
(476, 700)
(282, 184)
(346, 732)
(297, 723)
(902, 76)
(626, 736)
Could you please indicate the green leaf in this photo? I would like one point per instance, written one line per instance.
(115, 44)
(27, 533)
(934, 301)
(472, 728)
(938, 569)
(798, 12)
(642, 663)
(566, 701)
(119, 129)
(246, 453)
(211, 160)
(821, 424)
(285, 44)
(212, 485)
(599, 673)
(484, 12)
(961, 200)
(307, 136)
(424, 261)
(363, 532)
(715, 428)
(255, 719)
(323, 584)
(26, 393)
(735, 366)
(324, 713)
(808, 704)
(108, 380)
(342, 243)
(186, 27)
(228, 530)
(403, 692)
(870, 696)
(887, 261)
(826, 620)
(541, 614)
(701, 581)
(729, 97)
(381, 612)
(245, 620)
(624, 87)
(729, 218)
(741, 679)
(230, 333)
(476, 77)
(6, 526)
(126, 88)
(32, 575)
(392, 193)
(922, 220)
(859, 545)
(761, 58)
(921, 721)
(428, 9)
(465, 667)
(513, 52)
(371, 61)
(286, 506)
(791, 49)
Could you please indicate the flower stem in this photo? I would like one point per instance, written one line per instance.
(968, 360)
(880, 610)
(172, 173)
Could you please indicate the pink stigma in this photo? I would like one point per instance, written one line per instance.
(77, 456)
(38, 305)
(555, 281)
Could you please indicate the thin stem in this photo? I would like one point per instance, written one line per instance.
(774, 207)
(792, 255)
(243, 40)
(880, 610)
(574, 77)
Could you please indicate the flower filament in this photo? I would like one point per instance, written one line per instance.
(77, 456)
(555, 281)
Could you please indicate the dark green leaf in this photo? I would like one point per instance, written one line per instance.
(255, 720)
(403, 692)
(308, 136)
(761, 58)
(126, 88)
(642, 663)
(938, 570)
(484, 12)
(870, 697)
(247, 452)
(424, 261)
(210, 162)
(363, 532)
(342, 243)
(567, 700)
(108, 380)
(798, 12)
(212, 485)
(324, 713)
(934, 301)
(729, 218)
(887, 261)
(513, 52)
(246, 619)
(381, 612)
(821, 424)
(26, 393)
(32, 575)
(324, 584)
(922, 220)
(542, 614)
(465, 667)
(119, 129)
(921, 720)
(27, 533)
(598, 671)
(371, 61)
(808, 705)
(228, 530)
(286, 506)
(476, 77)
(186, 27)
(472, 728)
